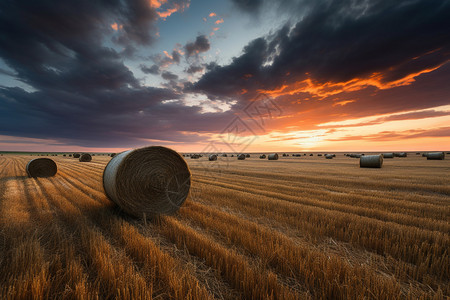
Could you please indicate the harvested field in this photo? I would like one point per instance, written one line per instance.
(296, 228)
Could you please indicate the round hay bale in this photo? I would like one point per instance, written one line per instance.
(388, 155)
(262, 156)
(311, 154)
(151, 180)
(329, 156)
(273, 156)
(41, 167)
(212, 157)
(241, 157)
(76, 155)
(70, 155)
(435, 155)
(224, 155)
(232, 155)
(284, 154)
(195, 156)
(112, 154)
(371, 161)
(247, 155)
(400, 154)
(85, 157)
(64, 155)
(319, 154)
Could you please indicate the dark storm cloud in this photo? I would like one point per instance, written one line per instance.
(340, 41)
(79, 91)
(154, 69)
(201, 44)
(194, 69)
(169, 75)
(249, 6)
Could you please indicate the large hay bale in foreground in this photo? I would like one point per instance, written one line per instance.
(273, 156)
(151, 180)
(85, 157)
(241, 157)
(371, 161)
(41, 167)
(76, 155)
(212, 157)
(435, 155)
(388, 155)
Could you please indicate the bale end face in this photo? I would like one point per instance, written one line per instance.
(151, 181)
(41, 167)
(85, 157)
(212, 157)
(273, 156)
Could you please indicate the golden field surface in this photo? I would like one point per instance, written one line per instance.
(296, 228)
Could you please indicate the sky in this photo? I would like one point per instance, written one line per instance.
(225, 75)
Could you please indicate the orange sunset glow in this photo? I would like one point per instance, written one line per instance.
(179, 74)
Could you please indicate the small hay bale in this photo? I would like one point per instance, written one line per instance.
(247, 155)
(273, 156)
(147, 181)
(262, 156)
(435, 155)
(241, 157)
(195, 156)
(232, 155)
(41, 167)
(64, 155)
(70, 155)
(284, 154)
(329, 156)
(224, 155)
(76, 155)
(311, 154)
(319, 154)
(85, 157)
(400, 154)
(388, 155)
(212, 157)
(371, 161)
(112, 154)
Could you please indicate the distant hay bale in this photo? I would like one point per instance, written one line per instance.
(152, 180)
(70, 155)
(64, 155)
(371, 161)
(329, 156)
(388, 155)
(232, 155)
(247, 155)
(311, 154)
(41, 167)
(400, 154)
(319, 154)
(424, 154)
(241, 157)
(85, 157)
(435, 155)
(417, 153)
(262, 156)
(112, 154)
(273, 156)
(76, 155)
(354, 155)
(212, 157)
(284, 154)
(224, 155)
(195, 156)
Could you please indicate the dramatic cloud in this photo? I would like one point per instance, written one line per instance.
(201, 44)
(194, 69)
(340, 46)
(169, 76)
(154, 69)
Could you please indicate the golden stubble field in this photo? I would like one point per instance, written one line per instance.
(295, 228)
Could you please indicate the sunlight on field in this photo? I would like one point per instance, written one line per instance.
(296, 228)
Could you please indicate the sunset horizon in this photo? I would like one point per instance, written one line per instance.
(228, 76)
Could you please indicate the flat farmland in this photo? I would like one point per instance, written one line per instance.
(296, 228)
